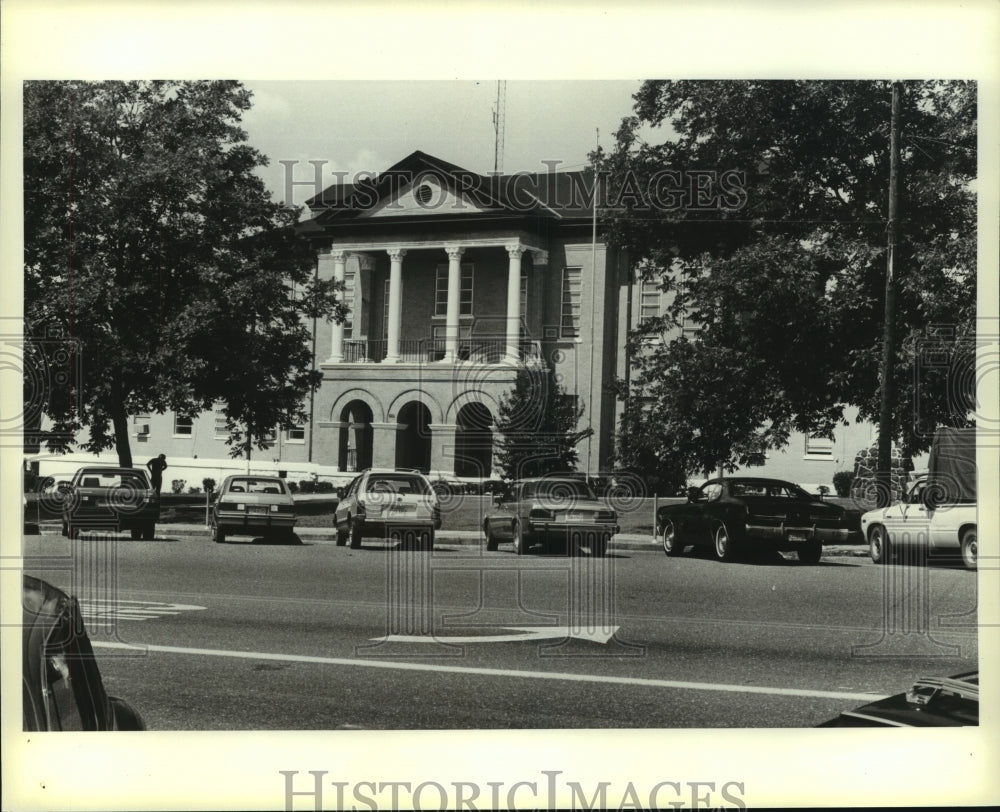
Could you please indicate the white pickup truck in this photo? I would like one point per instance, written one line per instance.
(939, 512)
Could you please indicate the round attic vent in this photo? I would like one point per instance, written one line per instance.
(423, 194)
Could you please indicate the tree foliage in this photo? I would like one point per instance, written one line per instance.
(537, 424)
(781, 263)
(153, 246)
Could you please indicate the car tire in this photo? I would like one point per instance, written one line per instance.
(341, 533)
(810, 553)
(970, 548)
(135, 533)
(149, 531)
(520, 540)
(671, 546)
(878, 544)
(725, 549)
(491, 543)
(355, 533)
(218, 534)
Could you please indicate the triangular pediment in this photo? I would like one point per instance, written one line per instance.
(426, 196)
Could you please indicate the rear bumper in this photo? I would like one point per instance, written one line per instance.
(237, 522)
(384, 528)
(797, 534)
(565, 530)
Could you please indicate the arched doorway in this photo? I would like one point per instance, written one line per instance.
(356, 437)
(474, 441)
(413, 439)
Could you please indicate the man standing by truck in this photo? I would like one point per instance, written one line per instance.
(156, 467)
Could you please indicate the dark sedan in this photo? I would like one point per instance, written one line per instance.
(733, 515)
(109, 497)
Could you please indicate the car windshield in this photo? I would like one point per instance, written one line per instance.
(763, 487)
(113, 479)
(558, 489)
(398, 483)
(251, 485)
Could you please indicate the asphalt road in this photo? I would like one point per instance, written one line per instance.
(257, 636)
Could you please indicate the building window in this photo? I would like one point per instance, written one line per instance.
(441, 291)
(221, 432)
(349, 301)
(269, 438)
(295, 434)
(649, 302)
(819, 447)
(569, 321)
(183, 426)
(690, 327)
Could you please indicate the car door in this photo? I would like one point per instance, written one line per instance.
(501, 519)
(345, 503)
(907, 523)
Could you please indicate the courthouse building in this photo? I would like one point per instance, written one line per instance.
(456, 281)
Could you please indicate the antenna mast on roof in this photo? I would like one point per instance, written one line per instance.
(499, 120)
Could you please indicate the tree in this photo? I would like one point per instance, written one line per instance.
(762, 219)
(537, 423)
(153, 246)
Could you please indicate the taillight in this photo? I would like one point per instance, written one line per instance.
(606, 516)
(541, 513)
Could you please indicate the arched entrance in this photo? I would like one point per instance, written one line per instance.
(413, 439)
(474, 441)
(356, 437)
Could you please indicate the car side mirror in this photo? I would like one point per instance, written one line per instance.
(64, 487)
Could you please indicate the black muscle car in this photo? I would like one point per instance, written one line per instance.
(733, 515)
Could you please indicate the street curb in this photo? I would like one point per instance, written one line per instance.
(621, 541)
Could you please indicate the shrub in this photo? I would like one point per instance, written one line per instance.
(194, 489)
(177, 485)
(292, 486)
(842, 481)
(324, 486)
(208, 484)
(307, 486)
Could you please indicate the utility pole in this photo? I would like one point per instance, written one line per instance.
(885, 424)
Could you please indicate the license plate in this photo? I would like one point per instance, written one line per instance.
(258, 510)
(397, 510)
(798, 537)
(576, 517)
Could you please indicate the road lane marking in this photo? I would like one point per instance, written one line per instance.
(117, 609)
(498, 672)
(523, 633)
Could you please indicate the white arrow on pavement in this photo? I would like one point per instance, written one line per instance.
(524, 633)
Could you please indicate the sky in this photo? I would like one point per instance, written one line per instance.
(367, 126)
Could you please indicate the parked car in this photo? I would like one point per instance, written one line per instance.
(253, 506)
(60, 681)
(919, 524)
(101, 496)
(939, 512)
(386, 502)
(734, 515)
(555, 511)
(931, 702)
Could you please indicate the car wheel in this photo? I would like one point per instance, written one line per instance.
(341, 533)
(520, 542)
(218, 534)
(970, 548)
(724, 547)
(355, 533)
(136, 533)
(669, 538)
(491, 543)
(810, 553)
(149, 531)
(878, 544)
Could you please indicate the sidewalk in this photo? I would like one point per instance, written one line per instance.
(324, 535)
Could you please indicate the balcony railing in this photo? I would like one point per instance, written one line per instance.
(422, 351)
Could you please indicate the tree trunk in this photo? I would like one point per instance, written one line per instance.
(120, 421)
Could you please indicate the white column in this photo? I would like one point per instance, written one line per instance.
(395, 305)
(337, 333)
(454, 298)
(515, 252)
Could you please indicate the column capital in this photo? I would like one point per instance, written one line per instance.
(396, 254)
(338, 254)
(539, 257)
(515, 250)
(454, 251)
